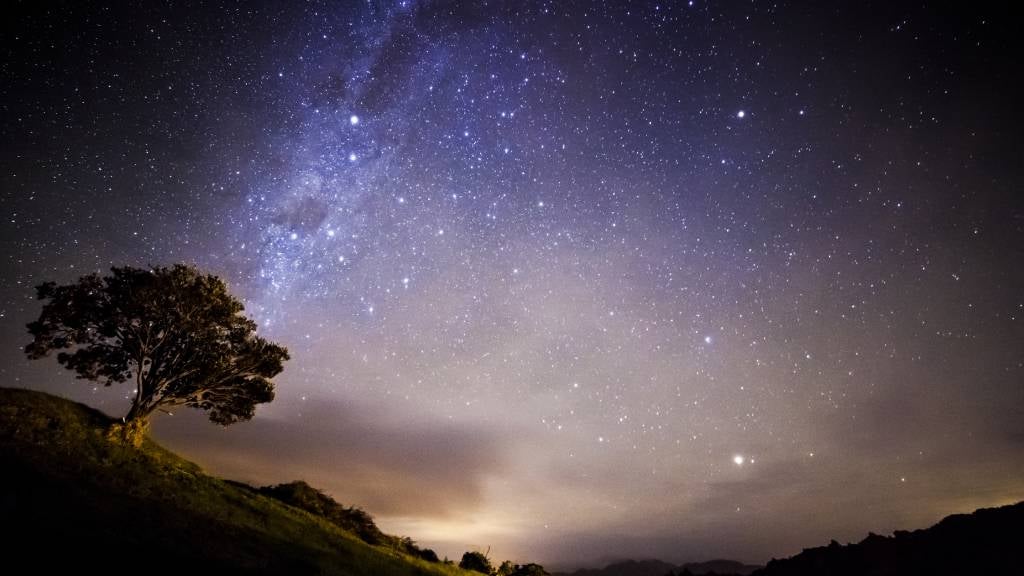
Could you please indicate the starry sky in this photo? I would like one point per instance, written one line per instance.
(570, 280)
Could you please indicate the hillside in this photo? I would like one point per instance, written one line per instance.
(984, 542)
(69, 497)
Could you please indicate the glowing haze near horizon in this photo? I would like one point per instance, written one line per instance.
(572, 281)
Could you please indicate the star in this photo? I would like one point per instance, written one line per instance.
(562, 333)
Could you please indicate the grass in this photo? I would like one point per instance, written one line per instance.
(70, 497)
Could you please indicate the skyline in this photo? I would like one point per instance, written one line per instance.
(572, 282)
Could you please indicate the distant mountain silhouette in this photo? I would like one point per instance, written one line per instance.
(986, 542)
(626, 568)
(659, 568)
(719, 567)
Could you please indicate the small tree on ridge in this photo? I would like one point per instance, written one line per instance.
(477, 562)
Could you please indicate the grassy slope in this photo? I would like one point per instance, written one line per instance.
(70, 497)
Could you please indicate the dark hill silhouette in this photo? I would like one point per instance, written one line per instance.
(72, 501)
(626, 568)
(719, 568)
(986, 542)
(659, 568)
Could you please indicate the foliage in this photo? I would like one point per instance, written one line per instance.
(507, 568)
(428, 555)
(529, 570)
(408, 546)
(476, 561)
(351, 519)
(176, 333)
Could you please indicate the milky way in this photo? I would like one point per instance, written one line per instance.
(567, 280)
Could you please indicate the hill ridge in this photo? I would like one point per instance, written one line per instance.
(67, 489)
(981, 542)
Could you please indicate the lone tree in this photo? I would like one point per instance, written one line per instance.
(477, 562)
(530, 570)
(176, 333)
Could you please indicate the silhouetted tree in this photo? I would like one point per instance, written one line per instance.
(476, 561)
(427, 554)
(408, 546)
(176, 333)
(530, 570)
(506, 569)
(351, 519)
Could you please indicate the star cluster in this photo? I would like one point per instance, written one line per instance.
(572, 280)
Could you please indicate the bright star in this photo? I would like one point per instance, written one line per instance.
(353, 119)
(741, 114)
(707, 339)
(738, 460)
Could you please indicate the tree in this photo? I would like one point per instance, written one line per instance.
(476, 561)
(426, 554)
(176, 333)
(507, 568)
(529, 570)
(301, 495)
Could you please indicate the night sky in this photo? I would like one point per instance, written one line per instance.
(572, 280)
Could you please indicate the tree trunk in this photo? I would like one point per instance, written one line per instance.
(136, 412)
(131, 431)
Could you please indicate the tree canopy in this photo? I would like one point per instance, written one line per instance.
(529, 570)
(476, 561)
(176, 333)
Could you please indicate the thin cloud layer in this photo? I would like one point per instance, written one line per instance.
(368, 456)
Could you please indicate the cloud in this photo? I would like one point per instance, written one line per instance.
(376, 457)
